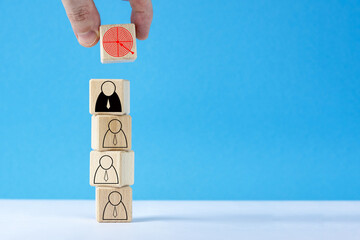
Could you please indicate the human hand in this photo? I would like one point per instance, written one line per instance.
(85, 19)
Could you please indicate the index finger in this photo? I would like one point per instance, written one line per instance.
(141, 16)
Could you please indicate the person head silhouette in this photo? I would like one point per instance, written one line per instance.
(115, 126)
(106, 162)
(115, 198)
(108, 88)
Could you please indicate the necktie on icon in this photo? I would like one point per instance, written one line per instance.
(108, 104)
(115, 212)
(106, 176)
(115, 140)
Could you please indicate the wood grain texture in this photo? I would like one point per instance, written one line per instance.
(109, 96)
(111, 168)
(113, 204)
(118, 48)
(110, 132)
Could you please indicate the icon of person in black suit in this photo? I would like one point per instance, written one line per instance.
(106, 172)
(108, 100)
(115, 136)
(115, 208)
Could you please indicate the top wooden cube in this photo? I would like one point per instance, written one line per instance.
(117, 43)
(109, 96)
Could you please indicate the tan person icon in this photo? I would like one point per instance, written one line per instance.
(115, 208)
(115, 136)
(106, 172)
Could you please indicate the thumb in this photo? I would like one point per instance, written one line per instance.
(84, 19)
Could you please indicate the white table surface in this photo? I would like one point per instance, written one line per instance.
(75, 219)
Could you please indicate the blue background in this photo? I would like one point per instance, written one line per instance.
(230, 100)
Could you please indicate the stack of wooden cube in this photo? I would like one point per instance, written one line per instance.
(112, 161)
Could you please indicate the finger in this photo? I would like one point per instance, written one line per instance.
(141, 16)
(84, 19)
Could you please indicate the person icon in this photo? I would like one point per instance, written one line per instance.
(115, 136)
(106, 172)
(108, 100)
(115, 208)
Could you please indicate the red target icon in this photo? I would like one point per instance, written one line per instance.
(118, 42)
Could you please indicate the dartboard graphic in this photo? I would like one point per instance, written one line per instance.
(118, 42)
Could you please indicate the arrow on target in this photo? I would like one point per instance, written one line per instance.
(126, 48)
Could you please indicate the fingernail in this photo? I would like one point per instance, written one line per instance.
(88, 39)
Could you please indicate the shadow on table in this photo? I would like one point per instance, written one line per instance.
(249, 218)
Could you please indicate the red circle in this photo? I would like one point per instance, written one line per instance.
(118, 42)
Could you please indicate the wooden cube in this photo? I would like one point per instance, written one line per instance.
(112, 168)
(110, 132)
(117, 43)
(113, 204)
(109, 96)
